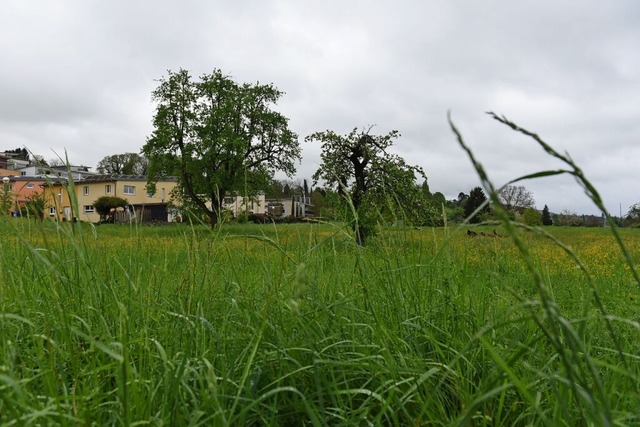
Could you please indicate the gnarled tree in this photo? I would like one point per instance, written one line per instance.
(220, 136)
(371, 179)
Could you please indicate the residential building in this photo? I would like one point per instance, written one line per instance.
(10, 161)
(56, 172)
(22, 190)
(296, 207)
(142, 205)
(237, 204)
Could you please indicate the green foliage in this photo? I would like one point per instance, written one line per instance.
(6, 198)
(423, 207)
(438, 199)
(318, 202)
(243, 217)
(123, 164)
(531, 217)
(105, 204)
(36, 205)
(374, 184)
(220, 137)
(546, 216)
(327, 204)
(19, 153)
(475, 200)
(283, 189)
(633, 216)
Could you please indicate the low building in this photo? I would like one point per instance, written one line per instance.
(12, 161)
(237, 204)
(294, 207)
(55, 172)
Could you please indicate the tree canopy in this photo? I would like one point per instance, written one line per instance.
(218, 136)
(531, 216)
(105, 204)
(546, 216)
(516, 198)
(19, 153)
(367, 176)
(35, 205)
(123, 164)
(475, 199)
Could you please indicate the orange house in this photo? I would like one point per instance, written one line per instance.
(20, 190)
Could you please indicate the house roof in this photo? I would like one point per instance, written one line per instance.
(114, 178)
(16, 178)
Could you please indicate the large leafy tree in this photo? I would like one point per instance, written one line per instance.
(123, 164)
(218, 136)
(372, 180)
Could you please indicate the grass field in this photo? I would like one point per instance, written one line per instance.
(297, 325)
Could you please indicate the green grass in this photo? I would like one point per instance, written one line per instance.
(297, 325)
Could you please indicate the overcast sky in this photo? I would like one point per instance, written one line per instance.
(77, 76)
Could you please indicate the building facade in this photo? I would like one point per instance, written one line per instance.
(17, 191)
(238, 204)
(141, 204)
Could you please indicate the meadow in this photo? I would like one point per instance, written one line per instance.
(297, 325)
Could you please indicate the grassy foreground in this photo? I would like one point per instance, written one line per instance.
(296, 325)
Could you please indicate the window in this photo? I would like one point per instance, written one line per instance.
(30, 186)
(85, 190)
(228, 200)
(88, 209)
(107, 189)
(52, 211)
(23, 173)
(129, 189)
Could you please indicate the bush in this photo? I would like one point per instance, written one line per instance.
(104, 205)
(243, 217)
(531, 217)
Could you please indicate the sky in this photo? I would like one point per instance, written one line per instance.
(77, 76)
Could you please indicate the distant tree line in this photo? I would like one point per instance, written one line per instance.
(218, 136)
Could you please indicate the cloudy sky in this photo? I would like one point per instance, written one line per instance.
(77, 76)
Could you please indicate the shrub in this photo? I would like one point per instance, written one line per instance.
(531, 217)
(104, 205)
